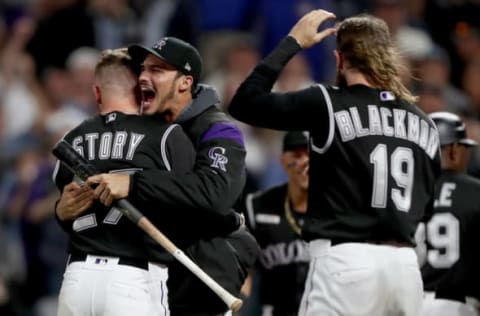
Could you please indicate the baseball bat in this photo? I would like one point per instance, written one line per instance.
(82, 169)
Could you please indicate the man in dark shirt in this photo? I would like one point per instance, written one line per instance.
(450, 270)
(110, 258)
(275, 217)
(374, 158)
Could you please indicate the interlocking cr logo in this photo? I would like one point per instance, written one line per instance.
(218, 157)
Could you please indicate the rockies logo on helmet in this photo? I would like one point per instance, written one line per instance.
(160, 44)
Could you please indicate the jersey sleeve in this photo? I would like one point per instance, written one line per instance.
(178, 151)
(61, 177)
(213, 186)
(254, 104)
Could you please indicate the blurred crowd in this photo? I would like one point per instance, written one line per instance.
(48, 50)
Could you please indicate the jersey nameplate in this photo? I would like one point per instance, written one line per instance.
(108, 145)
(388, 122)
(445, 198)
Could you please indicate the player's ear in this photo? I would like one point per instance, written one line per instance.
(284, 161)
(185, 83)
(97, 93)
(454, 153)
(338, 59)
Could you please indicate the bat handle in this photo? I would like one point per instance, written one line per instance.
(129, 210)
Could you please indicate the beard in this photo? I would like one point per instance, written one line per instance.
(163, 108)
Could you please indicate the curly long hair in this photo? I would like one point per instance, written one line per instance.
(364, 40)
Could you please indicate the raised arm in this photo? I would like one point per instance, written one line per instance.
(253, 102)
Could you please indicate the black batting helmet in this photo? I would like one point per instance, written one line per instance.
(451, 129)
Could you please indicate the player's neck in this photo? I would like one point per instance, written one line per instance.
(177, 106)
(124, 107)
(298, 198)
(354, 77)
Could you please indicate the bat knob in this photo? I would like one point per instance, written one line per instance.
(236, 305)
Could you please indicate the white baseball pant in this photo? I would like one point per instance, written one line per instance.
(99, 286)
(361, 279)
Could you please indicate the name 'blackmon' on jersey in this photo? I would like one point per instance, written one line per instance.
(388, 122)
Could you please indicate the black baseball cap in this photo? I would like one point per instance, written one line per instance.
(451, 129)
(295, 139)
(176, 52)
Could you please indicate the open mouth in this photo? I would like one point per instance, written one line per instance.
(148, 95)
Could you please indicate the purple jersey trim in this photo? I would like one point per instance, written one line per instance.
(224, 130)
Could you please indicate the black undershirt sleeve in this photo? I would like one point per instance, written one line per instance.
(254, 104)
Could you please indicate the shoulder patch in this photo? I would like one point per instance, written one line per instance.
(224, 130)
(219, 160)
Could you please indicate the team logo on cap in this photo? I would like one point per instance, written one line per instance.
(160, 44)
(188, 67)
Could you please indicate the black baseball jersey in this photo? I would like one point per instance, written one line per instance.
(117, 142)
(374, 158)
(452, 235)
(283, 261)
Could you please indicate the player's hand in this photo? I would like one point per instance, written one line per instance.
(306, 30)
(111, 186)
(74, 200)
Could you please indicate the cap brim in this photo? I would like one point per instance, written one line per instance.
(139, 52)
(468, 142)
(293, 146)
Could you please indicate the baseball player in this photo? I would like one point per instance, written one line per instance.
(213, 187)
(110, 258)
(374, 158)
(275, 217)
(451, 260)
